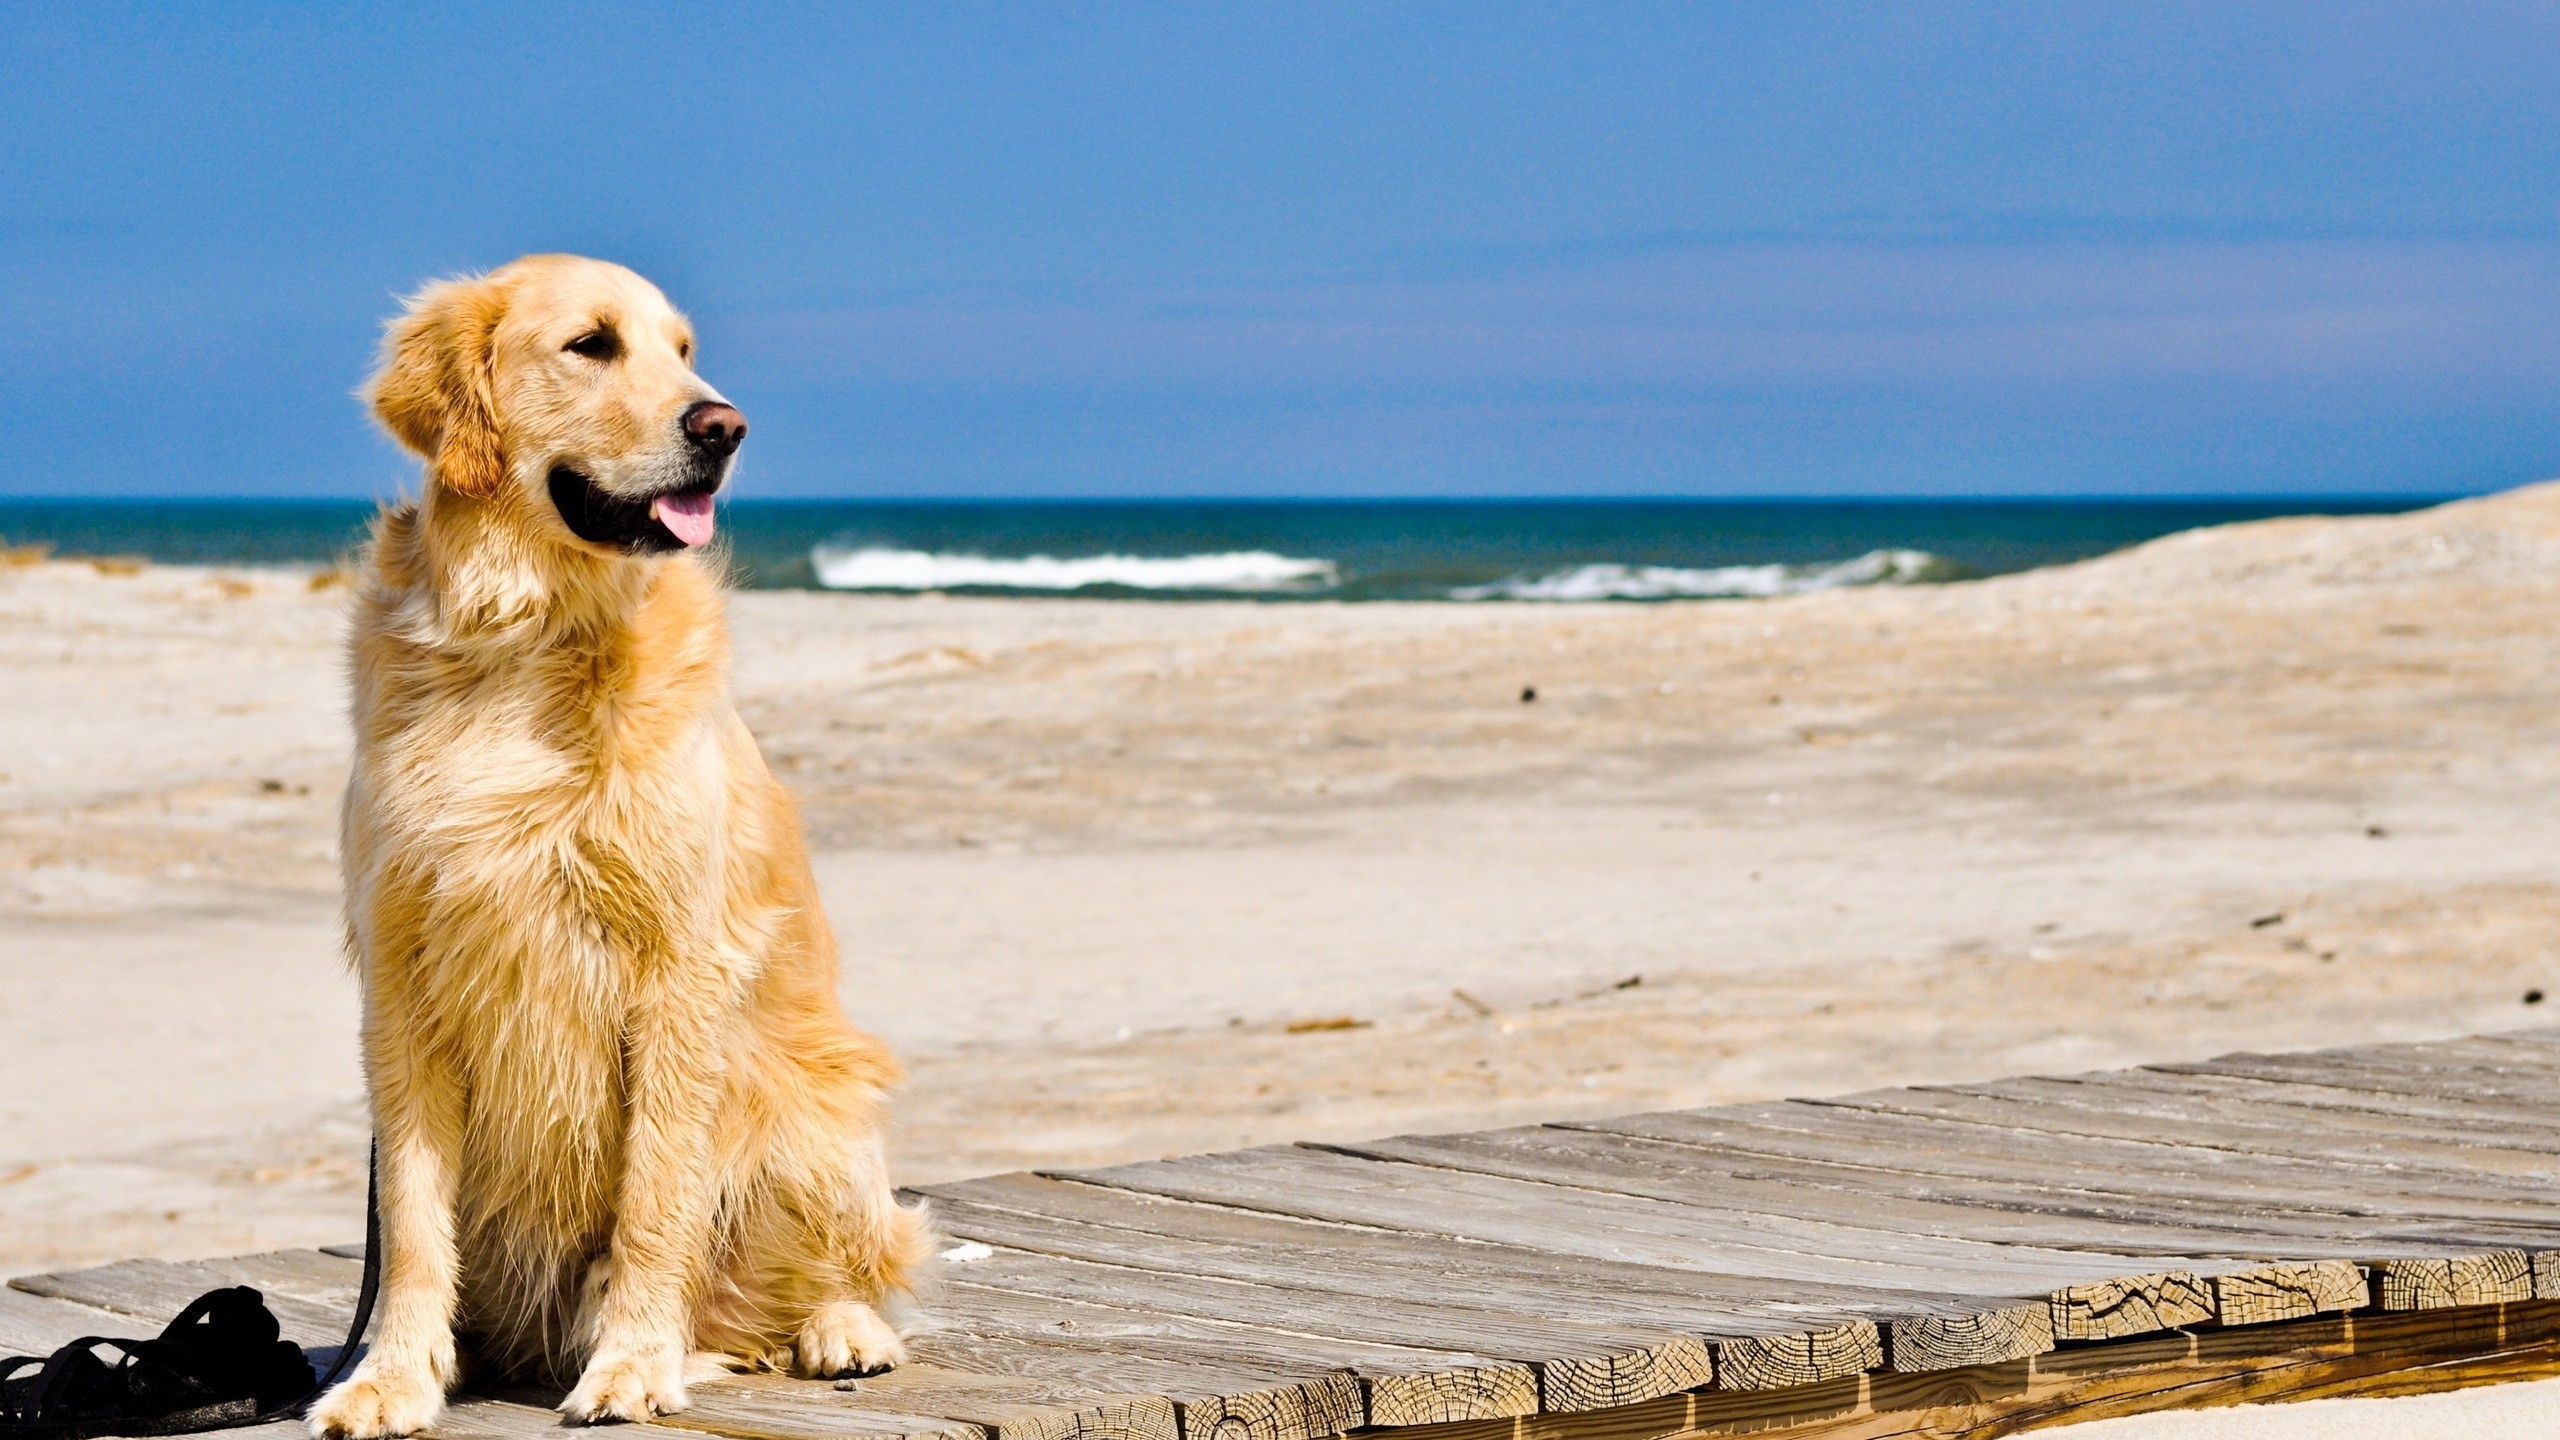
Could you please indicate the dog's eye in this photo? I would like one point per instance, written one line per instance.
(596, 345)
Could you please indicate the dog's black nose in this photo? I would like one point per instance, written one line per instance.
(715, 427)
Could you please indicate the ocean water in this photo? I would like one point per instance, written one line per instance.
(1521, 551)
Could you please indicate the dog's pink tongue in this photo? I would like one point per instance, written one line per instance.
(686, 516)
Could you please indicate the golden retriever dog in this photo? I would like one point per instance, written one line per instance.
(622, 1121)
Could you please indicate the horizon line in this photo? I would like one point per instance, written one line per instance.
(1629, 497)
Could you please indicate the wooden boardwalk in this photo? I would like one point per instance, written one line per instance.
(1951, 1260)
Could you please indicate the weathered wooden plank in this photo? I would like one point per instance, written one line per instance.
(1790, 1350)
(2262, 1122)
(1032, 1212)
(2348, 1355)
(2116, 1221)
(2150, 1165)
(1008, 1407)
(1578, 1365)
(1679, 1361)
(1977, 1329)
(2449, 1053)
(2331, 1356)
(36, 1323)
(150, 1291)
(2274, 1195)
(2511, 1055)
(2444, 1116)
(1627, 1377)
(2289, 1291)
(2097, 1107)
(1890, 1221)
(1396, 1379)
(1008, 1412)
(2064, 1107)
(741, 1410)
(2349, 1074)
(154, 1291)
(1207, 1396)
(1778, 1362)
(2489, 1278)
(1985, 1337)
(920, 1399)
(1725, 1269)
(1399, 1382)
(1318, 1185)
(2133, 1305)
(482, 1417)
(2219, 1236)
(1357, 1265)
(2104, 1310)
(312, 1274)
(2518, 1053)
(1441, 1396)
(32, 1324)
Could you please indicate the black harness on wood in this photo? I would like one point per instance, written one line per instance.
(222, 1363)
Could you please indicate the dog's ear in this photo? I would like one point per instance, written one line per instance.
(434, 389)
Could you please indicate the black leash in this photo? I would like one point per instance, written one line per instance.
(221, 1364)
(365, 1288)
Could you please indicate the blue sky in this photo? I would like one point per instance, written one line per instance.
(1407, 249)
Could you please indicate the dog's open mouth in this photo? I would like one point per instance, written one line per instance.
(675, 520)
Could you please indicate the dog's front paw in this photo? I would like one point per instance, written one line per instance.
(628, 1383)
(376, 1403)
(846, 1338)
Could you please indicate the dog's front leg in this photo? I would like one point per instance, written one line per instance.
(662, 1224)
(417, 1116)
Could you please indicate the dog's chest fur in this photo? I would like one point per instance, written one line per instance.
(543, 828)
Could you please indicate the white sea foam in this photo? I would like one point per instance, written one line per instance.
(881, 568)
(1664, 582)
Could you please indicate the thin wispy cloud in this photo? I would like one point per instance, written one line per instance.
(1754, 315)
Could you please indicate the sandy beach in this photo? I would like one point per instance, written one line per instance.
(1125, 880)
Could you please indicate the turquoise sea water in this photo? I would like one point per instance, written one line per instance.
(1528, 550)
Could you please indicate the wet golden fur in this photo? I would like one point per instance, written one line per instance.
(620, 1112)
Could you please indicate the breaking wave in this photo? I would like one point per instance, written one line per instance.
(1237, 571)
(1723, 582)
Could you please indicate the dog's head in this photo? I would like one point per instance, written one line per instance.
(563, 387)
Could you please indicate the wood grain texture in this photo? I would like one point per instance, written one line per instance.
(1778, 1362)
(153, 1291)
(2489, 1278)
(744, 1412)
(1575, 1362)
(2088, 1106)
(1959, 1260)
(1348, 1190)
(2333, 1356)
(1984, 1337)
(1439, 1396)
(2546, 1275)
(1390, 1380)
(1332, 1404)
(2250, 1188)
(32, 1324)
(1208, 1390)
(1005, 1406)
(1119, 1226)
(2289, 1291)
(2134, 1305)
(1361, 1263)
